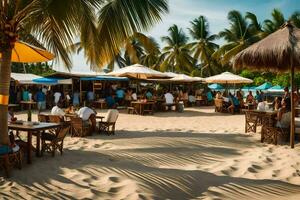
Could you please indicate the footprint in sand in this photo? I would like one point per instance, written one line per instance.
(96, 146)
(256, 167)
(252, 170)
(114, 179)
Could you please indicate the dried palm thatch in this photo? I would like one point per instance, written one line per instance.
(280, 51)
(277, 52)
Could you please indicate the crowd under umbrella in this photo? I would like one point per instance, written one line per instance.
(280, 51)
(228, 78)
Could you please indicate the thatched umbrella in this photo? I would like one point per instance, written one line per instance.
(279, 51)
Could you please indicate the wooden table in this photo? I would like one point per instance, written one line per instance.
(29, 103)
(140, 105)
(101, 102)
(249, 106)
(37, 129)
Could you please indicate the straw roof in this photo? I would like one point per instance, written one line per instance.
(186, 78)
(273, 53)
(227, 78)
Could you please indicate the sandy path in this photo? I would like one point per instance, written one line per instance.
(197, 154)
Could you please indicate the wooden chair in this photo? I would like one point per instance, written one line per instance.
(79, 127)
(56, 119)
(9, 160)
(272, 134)
(43, 118)
(107, 125)
(51, 143)
(251, 120)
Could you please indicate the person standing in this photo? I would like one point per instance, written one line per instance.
(76, 99)
(57, 96)
(41, 100)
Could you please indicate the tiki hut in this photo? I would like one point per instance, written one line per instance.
(280, 51)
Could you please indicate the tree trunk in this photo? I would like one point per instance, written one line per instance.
(5, 71)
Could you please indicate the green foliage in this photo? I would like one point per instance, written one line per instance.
(41, 69)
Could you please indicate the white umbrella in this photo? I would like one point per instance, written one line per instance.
(227, 78)
(137, 71)
(171, 74)
(186, 78)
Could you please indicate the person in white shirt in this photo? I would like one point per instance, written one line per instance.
(57, 96)
(56, 110)
(44, 90)
(85, 112)
(134, 96)
(169, 98)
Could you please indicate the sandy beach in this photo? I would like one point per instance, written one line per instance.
(198, 154)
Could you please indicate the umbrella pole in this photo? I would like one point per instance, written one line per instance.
(292, 134)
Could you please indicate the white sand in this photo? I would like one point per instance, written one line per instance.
(197, 154)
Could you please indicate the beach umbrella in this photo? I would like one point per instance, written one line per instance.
(264, 86)
(276, 88)
(138, 71)
(215, 86)
(280, 51)
(171, 74)
(227, 78)
(185, 78)
(26, 53)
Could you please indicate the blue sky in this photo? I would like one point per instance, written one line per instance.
(181, 12)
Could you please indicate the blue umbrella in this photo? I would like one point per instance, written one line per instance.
(215, 86)
(264, 86)
(276, 88)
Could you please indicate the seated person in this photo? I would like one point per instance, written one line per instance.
(259, 97)
(219, 95)
(261, 106)
(191, 98)
(284, 114)
(70, 109)
(277, 103)
(234, 104)
(56, 110)
(209, 96)
(85, 113)
(169, 98)
(239, 96)
(120, 95)
(110, 101)
(128, 95)
(148, 95)
(134, 96)
(250, 98)
(185, 95)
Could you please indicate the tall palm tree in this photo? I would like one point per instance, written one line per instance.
(203, 47)
(275, 23)
(176, 55)
(138, 48)
(56, 23)
(241, 34)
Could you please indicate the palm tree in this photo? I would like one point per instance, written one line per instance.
(56, 23)
(277, 21)
(176, 55)
(138, 48)
(203, 47)
(239, 36)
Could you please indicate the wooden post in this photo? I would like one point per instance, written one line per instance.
(292, 134)
(80, 87)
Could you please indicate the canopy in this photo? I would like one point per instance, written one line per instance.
(186, 78)
(26, 53)
(264, 86)
(227, 78)
(137, 71)
(215, 86)
(171, 74)
(276, 88)
(104, 78)
(249, 88)
(24, 78)
(52, 81)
